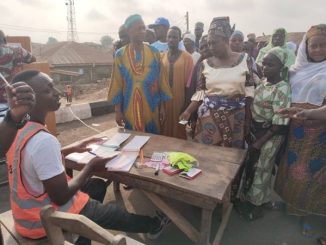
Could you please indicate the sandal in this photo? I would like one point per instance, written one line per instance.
(274, 205)
(255, 213)
(321, 240)
(248, 211)
(308, 230)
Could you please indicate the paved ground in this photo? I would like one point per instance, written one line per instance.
(276, 228)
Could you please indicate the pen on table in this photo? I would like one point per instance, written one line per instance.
(157, 169)
(93, 153)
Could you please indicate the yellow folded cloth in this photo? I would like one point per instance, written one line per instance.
(182, 160)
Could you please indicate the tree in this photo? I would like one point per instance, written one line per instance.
(52, 40)
(106, 41)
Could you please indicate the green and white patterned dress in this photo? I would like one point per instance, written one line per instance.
(268, 99)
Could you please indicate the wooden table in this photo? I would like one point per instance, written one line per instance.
(219, 167)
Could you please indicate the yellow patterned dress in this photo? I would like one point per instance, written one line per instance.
(136, 85)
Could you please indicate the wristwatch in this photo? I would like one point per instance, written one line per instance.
(18, 125)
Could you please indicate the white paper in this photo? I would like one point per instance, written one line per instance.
(82, 158)
(116, 140)
(183, 122)
(136, 143)
(104, 152)
(123, 162)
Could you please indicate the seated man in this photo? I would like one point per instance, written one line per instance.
(37, 176)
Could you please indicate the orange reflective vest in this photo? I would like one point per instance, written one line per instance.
(26, 207)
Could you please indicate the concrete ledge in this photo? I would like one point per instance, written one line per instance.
(64, 114)
(83, 111)
(101, 107)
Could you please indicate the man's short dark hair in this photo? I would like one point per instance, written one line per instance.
(177, 29)
(25, 76)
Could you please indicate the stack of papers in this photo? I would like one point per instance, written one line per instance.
(107, 149)
(116, 140)
(129, 154)
(136, 143)
(81, 158)
(123, 161)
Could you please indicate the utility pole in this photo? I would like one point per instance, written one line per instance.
(72, 29)
(187, 21)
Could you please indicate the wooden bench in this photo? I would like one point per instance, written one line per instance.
(55, 222)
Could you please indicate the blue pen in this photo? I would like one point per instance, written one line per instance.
(93, 153)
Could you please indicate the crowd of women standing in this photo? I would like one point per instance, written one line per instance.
(266, 105)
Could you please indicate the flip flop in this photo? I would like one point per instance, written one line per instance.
(274, 205)
(308, 230)
(248, 211)
(321, 240)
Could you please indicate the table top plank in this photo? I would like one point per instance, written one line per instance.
(219, 166)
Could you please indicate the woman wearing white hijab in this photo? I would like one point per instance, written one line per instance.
(301, 178)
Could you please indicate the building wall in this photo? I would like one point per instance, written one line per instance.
(89, 73)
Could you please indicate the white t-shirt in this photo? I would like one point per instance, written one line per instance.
(163, 47)
(195, 57)
(41, 160)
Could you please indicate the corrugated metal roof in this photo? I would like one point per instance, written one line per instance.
(295, 37)
(71, 53)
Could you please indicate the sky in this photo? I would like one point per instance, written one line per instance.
(41, 19)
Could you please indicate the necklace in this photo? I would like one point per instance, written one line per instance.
(136, 60)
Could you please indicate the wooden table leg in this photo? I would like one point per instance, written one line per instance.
(227, 209)
(205, 227)
(175, 216)
(116, 186)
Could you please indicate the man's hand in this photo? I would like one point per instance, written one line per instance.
(21, 99)
(119, 118)
(293, 112)
(97, 164)
(185, 116)
(162, 115)
(82, 147)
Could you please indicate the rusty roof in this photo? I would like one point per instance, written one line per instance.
(295, 37)
(71, 53)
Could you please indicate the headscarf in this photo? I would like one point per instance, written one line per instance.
(307, 78)
(190, 36)
(282, 56)
(221, 26)
(237, 33)
(316, 30)
(131, 20)
(263, 51)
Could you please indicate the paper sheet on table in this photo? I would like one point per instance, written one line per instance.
(82, 158)
(98, 150)
(123, 162)
(104, 152)
(116, 140)
(136, 143)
